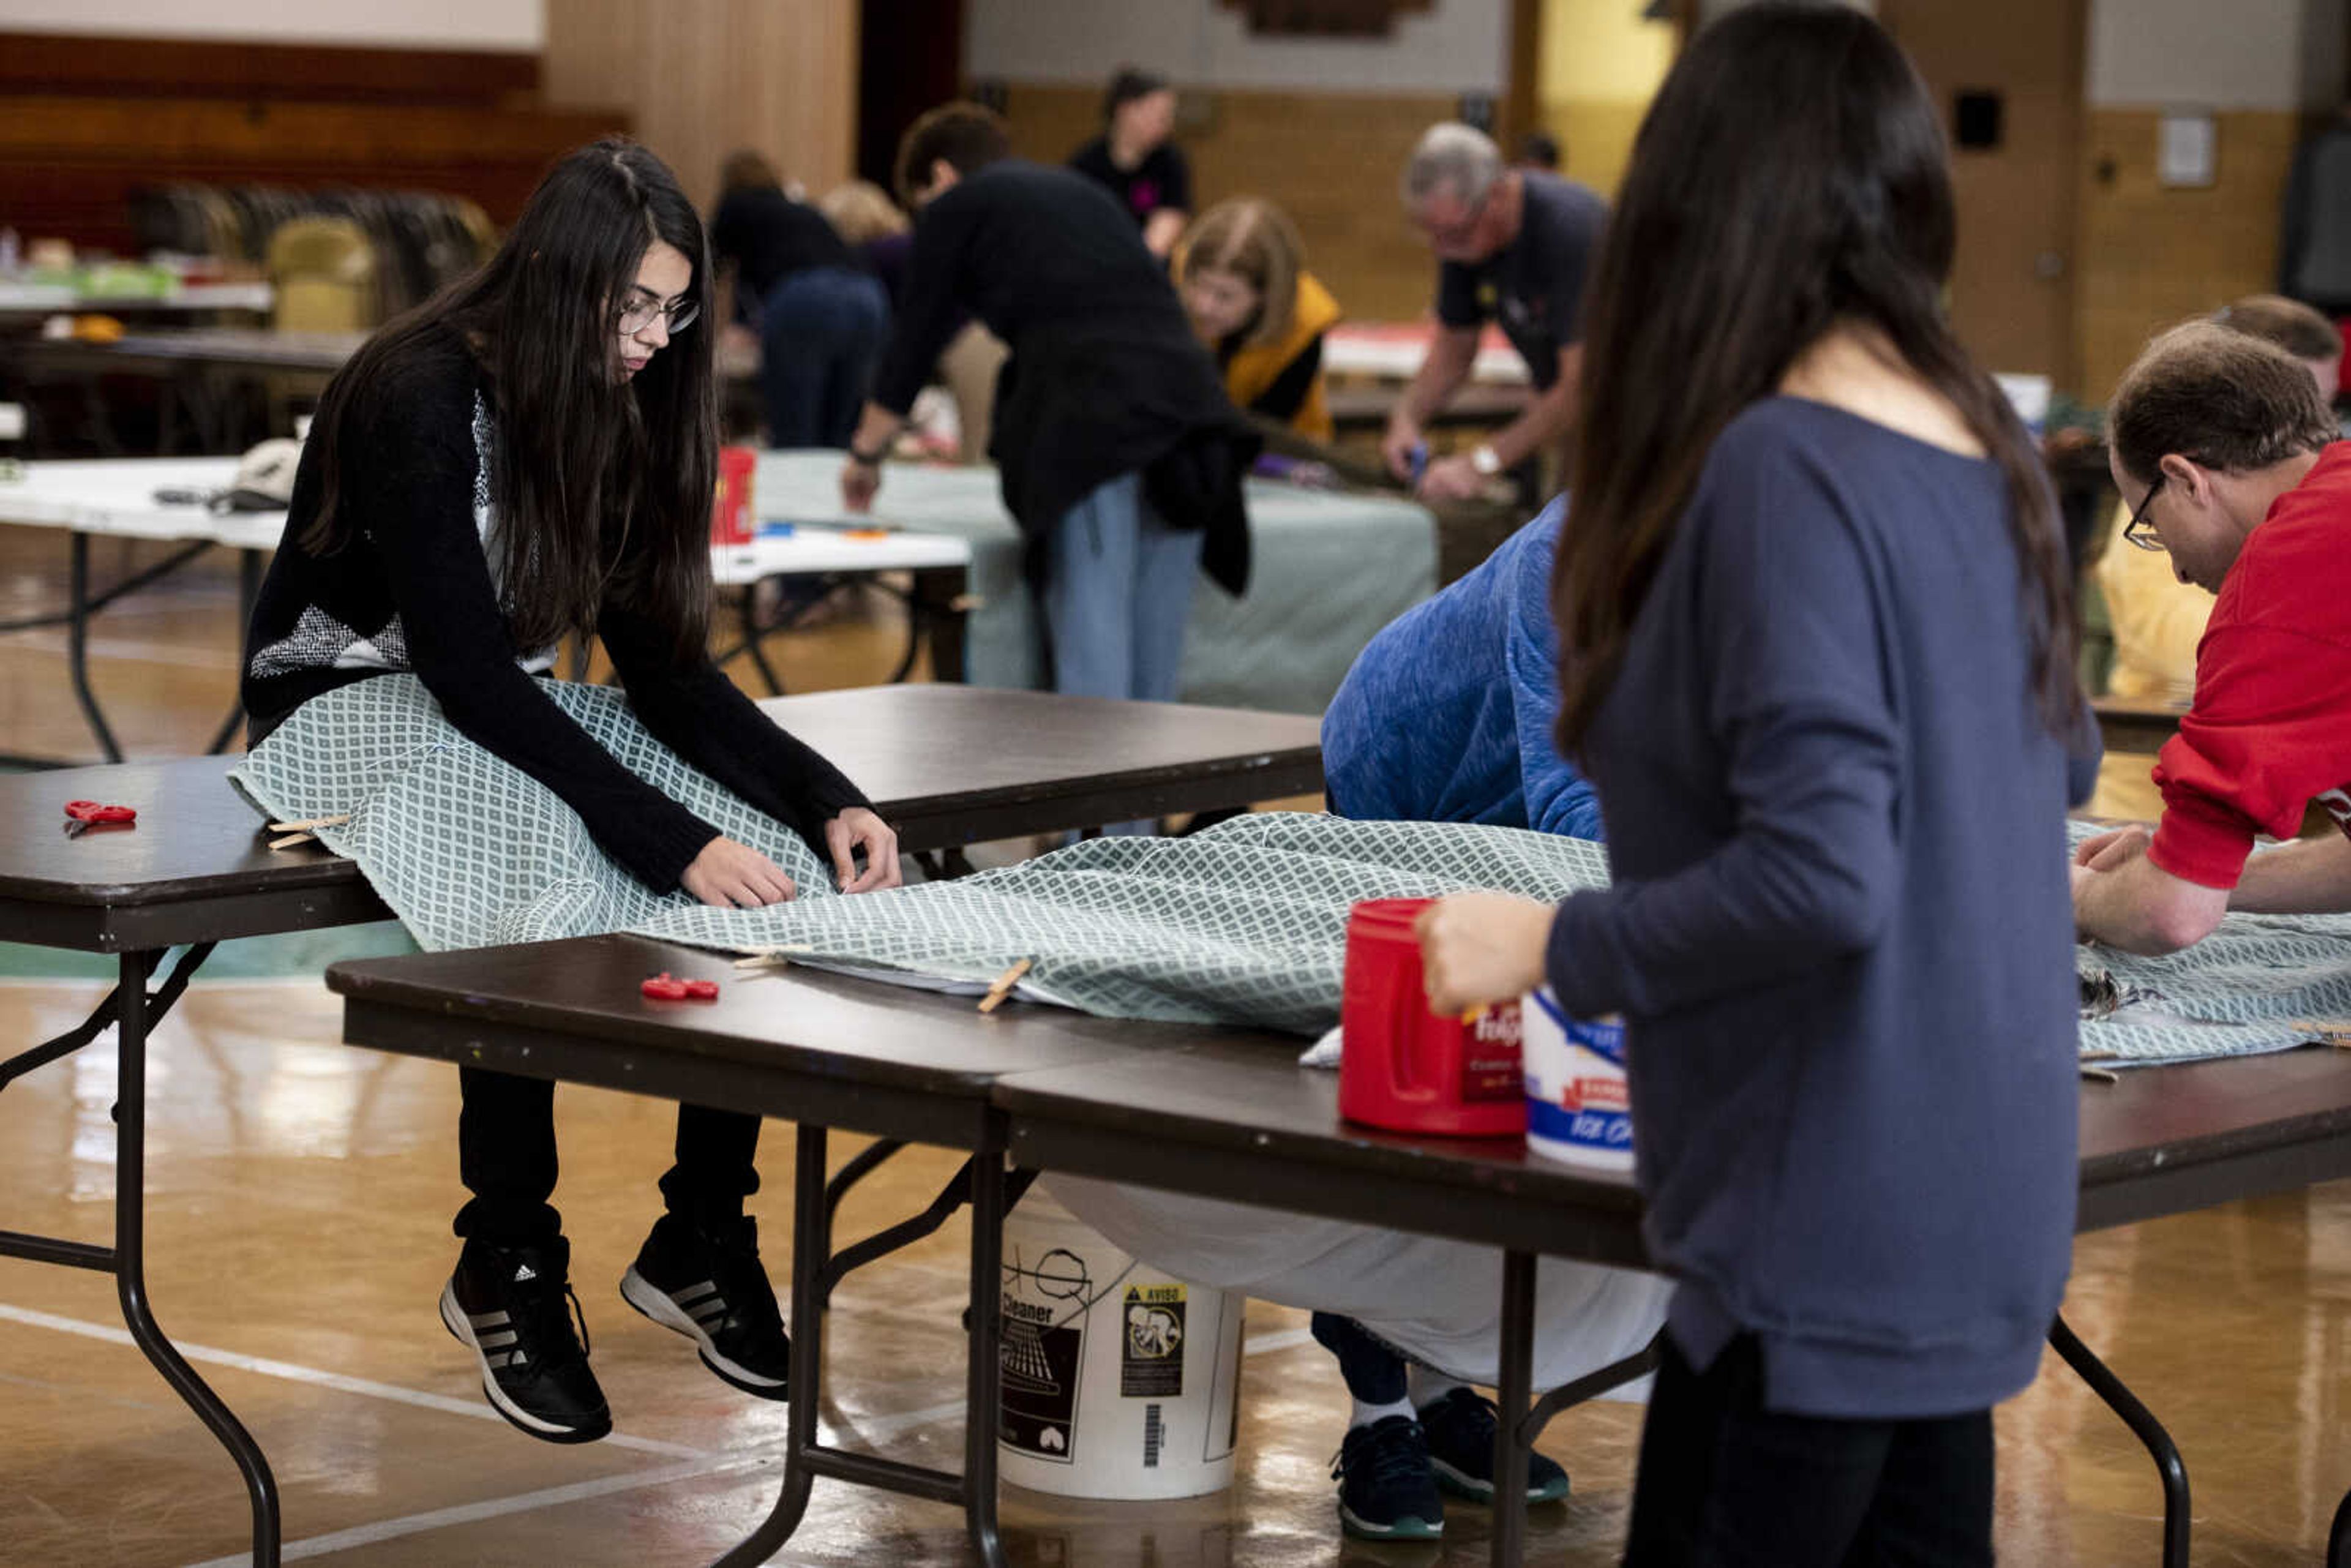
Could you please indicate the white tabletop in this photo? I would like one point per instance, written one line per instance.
(1394, 352)
(28, 297)
(115, 496)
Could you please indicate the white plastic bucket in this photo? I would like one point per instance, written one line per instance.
(1577, 1107)
(1120, 1383)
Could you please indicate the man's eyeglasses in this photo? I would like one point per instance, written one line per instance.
(639, 313)
(2138, 530)
(1457, 234)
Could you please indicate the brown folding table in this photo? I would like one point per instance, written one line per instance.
(950, 766)
(1229, 1115)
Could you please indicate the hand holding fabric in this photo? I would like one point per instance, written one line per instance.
(731, 876)
(858, 829)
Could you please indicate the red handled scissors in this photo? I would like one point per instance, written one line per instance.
(667, 988)
(83, 814)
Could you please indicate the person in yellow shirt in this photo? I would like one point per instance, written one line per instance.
(2159, 620)
(1241, 269)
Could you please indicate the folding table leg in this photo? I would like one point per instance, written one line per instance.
(130, 1268)
(811, 1248)
(752, 644)
(1514, 1389)
(984, 1370)
(78, 646)
(2157, 1442)
(248, 588)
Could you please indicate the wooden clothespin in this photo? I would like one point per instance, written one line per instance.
(304, 827)
(290, 840)
(773, 957)
(2101, 1074)
(1003, 987)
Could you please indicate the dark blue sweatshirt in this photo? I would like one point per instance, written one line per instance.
(1840, 931)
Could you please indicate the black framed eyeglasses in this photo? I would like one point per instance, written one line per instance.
(639, 313)
(2138, 530)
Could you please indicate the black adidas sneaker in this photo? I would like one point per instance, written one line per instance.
(513, 1308)
(706, 1282)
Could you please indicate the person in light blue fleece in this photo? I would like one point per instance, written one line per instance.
(1447, 716)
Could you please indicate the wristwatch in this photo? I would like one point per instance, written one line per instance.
(862, 461)
(1485, 460)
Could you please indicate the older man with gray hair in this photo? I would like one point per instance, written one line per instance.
(1515, 245)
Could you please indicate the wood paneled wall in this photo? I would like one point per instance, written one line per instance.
(2151, 255)
(85, 121)
(1331, 160)
(703, 77)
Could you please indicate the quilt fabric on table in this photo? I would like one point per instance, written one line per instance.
(2260, 983)
(1244, 923)
(468, 850)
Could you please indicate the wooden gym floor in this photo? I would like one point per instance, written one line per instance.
(300, 1198)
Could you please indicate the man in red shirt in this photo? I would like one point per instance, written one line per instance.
(2227, 457)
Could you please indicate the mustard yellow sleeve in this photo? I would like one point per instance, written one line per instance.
(2157, 620)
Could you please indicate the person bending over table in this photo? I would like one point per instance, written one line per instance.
(1135, 158)
(821, 313)
(1515, 244)
(2229, 461)
(1242, 273)
(1121, 460)
(1817, 653)
(2158, 618)
(1446, 716)
(528, 456)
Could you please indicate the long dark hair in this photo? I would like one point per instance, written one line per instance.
(1791, 174)
(585, 461)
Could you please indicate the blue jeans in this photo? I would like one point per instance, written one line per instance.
(821, 337)
(1118, 591)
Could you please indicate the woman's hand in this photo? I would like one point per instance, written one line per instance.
(1478, 949)
(2109, 850)
(858, 829)
(728, 875)
(860, 482)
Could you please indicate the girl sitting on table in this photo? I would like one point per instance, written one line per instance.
(1242, 273)
(1816, 655)
(531, 456)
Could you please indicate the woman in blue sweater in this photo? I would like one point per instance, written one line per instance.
(1815, 644)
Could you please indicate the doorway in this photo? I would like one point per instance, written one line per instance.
(2008, 75)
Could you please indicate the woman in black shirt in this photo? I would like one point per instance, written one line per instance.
(1137, 162)
(528, 457)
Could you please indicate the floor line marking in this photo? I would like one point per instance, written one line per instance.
(473, 1409)
(749, 1458)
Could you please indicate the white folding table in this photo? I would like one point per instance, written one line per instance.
(117, 499)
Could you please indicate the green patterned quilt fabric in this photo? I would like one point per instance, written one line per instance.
(2260, 983)
(1244, 923)
(467, 848)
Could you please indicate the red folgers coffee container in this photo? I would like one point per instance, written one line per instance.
(730, 513)
(1402, 1067)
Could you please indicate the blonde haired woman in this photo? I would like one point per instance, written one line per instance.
(1242, 272)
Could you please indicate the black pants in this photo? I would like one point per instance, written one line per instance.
(1725, 1483)
(505, 1155)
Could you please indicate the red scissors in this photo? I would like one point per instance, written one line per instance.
(667, 988)
(84, 814)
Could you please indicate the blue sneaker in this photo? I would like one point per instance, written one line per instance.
(1460, 1428)
(1386, 1490)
